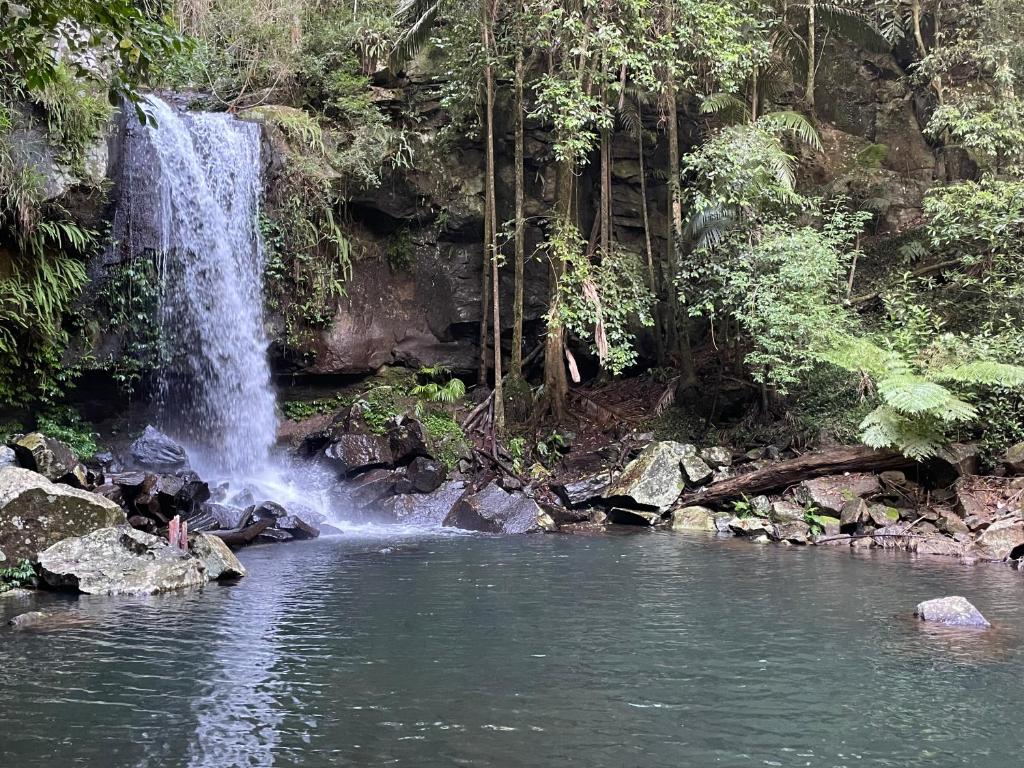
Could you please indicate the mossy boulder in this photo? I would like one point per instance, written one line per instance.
(693, 519)
(654, 479)
(35, 513)
(54, 460)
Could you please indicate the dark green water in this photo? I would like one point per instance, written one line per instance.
(604, 652)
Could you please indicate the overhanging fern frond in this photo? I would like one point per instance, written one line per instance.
(984, 372)
(792, 124)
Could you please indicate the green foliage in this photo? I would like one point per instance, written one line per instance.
(435, 390)
(447, 440)
(20, 575)
(925, 399)
(299, 410)
(66, 425)
(76, 116)
(126, 306)
(401, 252)
(118, 44)
(603, 301)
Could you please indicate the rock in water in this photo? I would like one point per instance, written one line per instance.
(1002, 539)
(35, 513)
(52, 459)
(493, 510)
(654, 479)
(219, 561)
(952, 611)
(693, 519)
(123, 561)
(423, 508)
(155, 450)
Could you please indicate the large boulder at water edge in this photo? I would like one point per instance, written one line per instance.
(831, 494)
(51, 458)
(424, 509)
(1001, 540)
(693, 519)
(494, 510)
(425, 475)
(123, 561)
(654, 479)
(155, 450)
(35, 513)
(952, 611)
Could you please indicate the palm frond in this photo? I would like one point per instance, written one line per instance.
(792, 124)
(416, 19)
(729, 107)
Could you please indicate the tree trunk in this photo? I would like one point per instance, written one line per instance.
(490, 213)
(652, 283)
(811, 54)
(678, 334)
(556, 385)
(520, 234)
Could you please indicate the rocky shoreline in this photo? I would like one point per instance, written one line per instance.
(107, 527)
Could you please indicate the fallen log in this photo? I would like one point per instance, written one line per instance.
(832, 461)
(239, 537)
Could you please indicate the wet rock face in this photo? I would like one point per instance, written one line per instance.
(654, 479)
(35, 513)
(425, 475)
(427, 509)
(123, 561)
(952, 611)
(354, 453)
(155, 450)
(1000, 540)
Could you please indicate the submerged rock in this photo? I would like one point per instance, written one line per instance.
(123, 561)
(494, 510)
(35, 513)
(155, 450)
(654, 479)
(952, 611)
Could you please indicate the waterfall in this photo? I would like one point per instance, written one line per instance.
(193, 181)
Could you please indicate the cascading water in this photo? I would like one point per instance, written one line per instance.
(215, 389)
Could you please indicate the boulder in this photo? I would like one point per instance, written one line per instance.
(697, 472)
(654, 479)
(426, 509)
(407, 439)
(425, 475)
(300, 525)
(881, 515)
(785, 511)
(28, 620)
(219, 561)
(1000, 540)
(35, 513)
(831, 493)
(227, 517)
(751, 526)
(938, 545)
(123, 561)
(795, 532)
(583, 489)
(269, 511)
(54, 460)
(155, 450)
(693, 519)
(952, 611)
(494, 510)
(853, 514)
(354, 453)
(965, 458)
(717, 456)
(1014, 459)
(7, 457)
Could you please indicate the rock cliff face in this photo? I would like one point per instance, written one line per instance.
(413, 298)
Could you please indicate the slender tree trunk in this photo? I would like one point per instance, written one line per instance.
(811, 54)
(556, 385)
(679, 336)
(652, 282)
(490, 212)
(520, 234)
